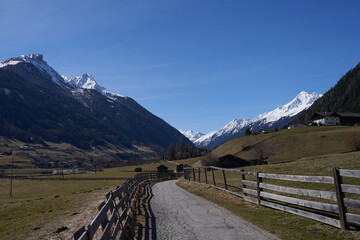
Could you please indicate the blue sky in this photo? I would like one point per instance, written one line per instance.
(197, 64)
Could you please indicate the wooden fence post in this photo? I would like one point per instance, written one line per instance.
(223, 172)
(213, 176)
(206, 181)
(194, 174)
(242, 179)
(340, 199)
(199, 173)
(258, 181)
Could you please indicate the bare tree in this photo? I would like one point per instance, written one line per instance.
(209, 160)
(262, 150)
(170, 153)
(352, 141)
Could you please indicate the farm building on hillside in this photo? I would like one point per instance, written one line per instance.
(162, 168)
(334, 119)
(268, 130)
(231, 161)
(180, 168)
(296, 126)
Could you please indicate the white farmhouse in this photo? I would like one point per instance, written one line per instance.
(334, 119)
(326, 119)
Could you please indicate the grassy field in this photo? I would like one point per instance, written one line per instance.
(39, 208)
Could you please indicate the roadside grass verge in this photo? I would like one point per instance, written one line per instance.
(283, 225)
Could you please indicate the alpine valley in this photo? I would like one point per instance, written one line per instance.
(277, 118)
(39, 106)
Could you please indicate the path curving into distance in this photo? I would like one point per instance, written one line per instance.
(178, 214)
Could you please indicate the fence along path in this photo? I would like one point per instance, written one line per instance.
(114, 213)
(332, 208)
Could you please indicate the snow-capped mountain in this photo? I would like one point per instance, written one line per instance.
(88, 82)
(231, 128)
(73, 110)
(37, 61)
(301, 102)
(192, 136)
(277, 118)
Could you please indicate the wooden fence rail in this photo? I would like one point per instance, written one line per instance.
(333, 212)
(113, 215)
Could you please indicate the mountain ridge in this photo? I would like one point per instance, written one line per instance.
(276, 118)
(39, 105)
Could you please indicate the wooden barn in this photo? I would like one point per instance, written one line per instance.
(231, 161)
(162, 168)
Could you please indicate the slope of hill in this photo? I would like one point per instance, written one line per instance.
(277, 118)
(343, 97)
(38, 104)
(290, 145)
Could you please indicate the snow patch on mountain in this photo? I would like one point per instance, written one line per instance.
(8, 62)
(192, 136)
(88, 82)
(7, 91)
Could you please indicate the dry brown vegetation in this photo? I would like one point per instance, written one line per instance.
(352, 141)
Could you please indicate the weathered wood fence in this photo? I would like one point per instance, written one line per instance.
(333, 208)
(114, 213)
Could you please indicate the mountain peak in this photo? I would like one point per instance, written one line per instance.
(37, 60)
(191, 135)
(83, 81)
(33, 57)
(301, 102)
(88, 82)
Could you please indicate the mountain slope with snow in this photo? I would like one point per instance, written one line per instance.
(88, 82)
(301, 102)
(39, 105)
(37, 61)
(192, 136)
(277, 118)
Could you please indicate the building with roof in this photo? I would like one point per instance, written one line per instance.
(335, 119)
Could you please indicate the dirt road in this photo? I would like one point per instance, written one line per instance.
(179, 214)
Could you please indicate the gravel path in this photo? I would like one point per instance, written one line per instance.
(182, 215)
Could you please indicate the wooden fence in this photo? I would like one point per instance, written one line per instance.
(329, 207)
(114, 213)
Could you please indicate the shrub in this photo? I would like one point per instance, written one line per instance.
(209, 160)
(352, 141)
